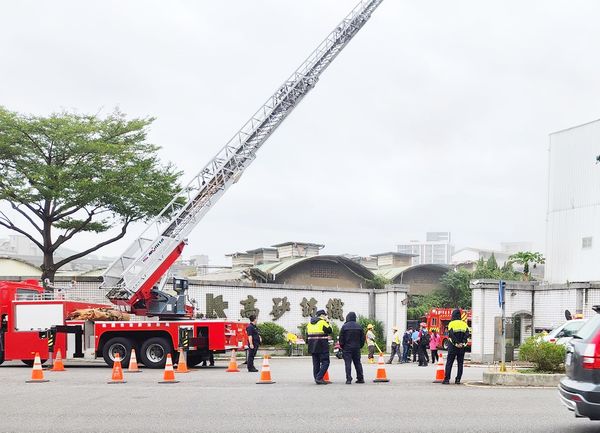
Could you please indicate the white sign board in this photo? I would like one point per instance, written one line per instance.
(33, 317)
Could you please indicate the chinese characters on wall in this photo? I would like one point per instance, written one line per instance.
(216, 306)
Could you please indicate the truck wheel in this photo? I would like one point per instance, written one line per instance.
(120, 345)
(154, 352)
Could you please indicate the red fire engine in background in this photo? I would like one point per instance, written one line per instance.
(438, 318)
(33, 321)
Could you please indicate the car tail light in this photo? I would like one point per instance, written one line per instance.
(591, 354)
(552, 340)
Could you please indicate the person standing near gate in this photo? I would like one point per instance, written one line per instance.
(458, 335)
(423, 345)
(371, 343)
(352, 339)
(253, 342)
(406, 343)
(318, 331)
(395, 345)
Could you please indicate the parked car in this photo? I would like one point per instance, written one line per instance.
(564, 333)
(580, 390)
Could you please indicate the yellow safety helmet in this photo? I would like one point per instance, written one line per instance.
(370, 326)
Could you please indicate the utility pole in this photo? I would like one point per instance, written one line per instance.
(502, 304)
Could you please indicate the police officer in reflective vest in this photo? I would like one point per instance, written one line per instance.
(458, 335)
(318, 331)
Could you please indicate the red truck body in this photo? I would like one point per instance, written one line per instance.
(26, 312)
(439, 318)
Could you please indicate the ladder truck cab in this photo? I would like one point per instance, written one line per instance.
(439, 318)
(134, 281)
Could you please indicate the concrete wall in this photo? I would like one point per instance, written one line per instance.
(546, 303)
(387, 305)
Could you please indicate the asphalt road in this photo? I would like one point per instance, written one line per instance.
(80, 400)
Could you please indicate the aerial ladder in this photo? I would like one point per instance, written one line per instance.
(132, 280)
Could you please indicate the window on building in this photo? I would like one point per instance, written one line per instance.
(586, 242)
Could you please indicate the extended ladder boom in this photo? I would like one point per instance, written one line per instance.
(133, 274)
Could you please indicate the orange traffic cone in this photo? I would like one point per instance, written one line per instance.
(133, 365)
(58, 365)
(381, 376)
(37, 374)
(265, 372)
(326, 377)
(439, 371)
(233, 367)
(169, 376)
(182, 363)
(117, 371)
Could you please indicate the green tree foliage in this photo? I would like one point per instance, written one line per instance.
(492, 264)
(271, 333)
(525, 258)
(455, 291)
(378, 282)
(68, 173)
(547, 357)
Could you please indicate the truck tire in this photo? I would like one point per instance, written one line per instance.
(445, 344)
(154, 352)
(120, 345)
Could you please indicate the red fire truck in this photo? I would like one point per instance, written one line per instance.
(31, 317)
(438, 318)
(134, 282)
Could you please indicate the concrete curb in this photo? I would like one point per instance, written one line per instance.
(521, 379)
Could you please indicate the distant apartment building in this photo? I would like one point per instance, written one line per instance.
(437, 249)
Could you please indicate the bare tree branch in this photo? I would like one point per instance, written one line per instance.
(9, 225)
(94, 248)
(27, 216)
(66, 213)
(71, 232)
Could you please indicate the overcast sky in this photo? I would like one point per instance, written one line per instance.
(435, 117)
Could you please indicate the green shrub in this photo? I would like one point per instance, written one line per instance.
(272, 334)
(377, 329)
(547, 357)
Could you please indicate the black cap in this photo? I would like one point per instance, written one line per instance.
(321, 313)
(252, 318)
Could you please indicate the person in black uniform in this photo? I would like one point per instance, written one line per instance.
(458, 336)
(352, 339)
(424, 339)
(253, 342)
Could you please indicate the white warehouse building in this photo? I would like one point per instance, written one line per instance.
(573, 215)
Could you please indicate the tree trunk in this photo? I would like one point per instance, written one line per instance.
(48, 268)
